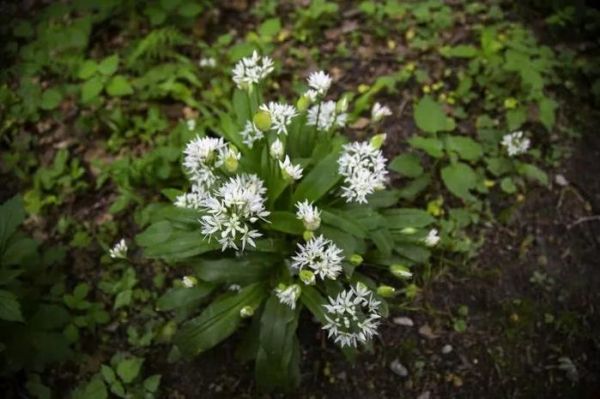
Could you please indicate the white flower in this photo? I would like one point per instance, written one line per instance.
(311, 94)
(191, 200)
(232, 208)
(432, 238)
(281, 115)
(320, 82)
(234, 287)
(320, 255)
(189, 281)
(191, 124)
(251, 70)
(251, 133)
(289, 170)
(353, 316)
(288, 295)
(324, 116)
(363, 168)
(515, 143)
(199, 157)
(309, 214)
(379, 111)
(119, 251)
(277, 149)
(207, 62)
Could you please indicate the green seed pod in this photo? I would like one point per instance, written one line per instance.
(400, 271)
(262, 120)
(303, 103)
(377, 140)
(307, 277)
(386, 291)
(356, 259)
(246, 312)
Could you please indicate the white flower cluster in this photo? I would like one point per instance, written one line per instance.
(378, 112)
(231, 208)
(320, 255)
(432, 238)
(207, 62)
(288, 295)
(515, 143)
(309, 214)
(199, 157)
(251, 70)
(289, 170)
(251, 133)
(325, 115)
(281, 115)
(119, 251)
(320, 83)
(353, 316)
(363, 168)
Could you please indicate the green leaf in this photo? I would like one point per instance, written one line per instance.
(314, 301)
(87, 69)
(319, 180)
(508, 186)
(286, 222)
(10, 309)
(241, 107)
(91, 89)
(383, 241)
(340, 221)
(460, 51)
(109, 65)
(128, 369)
(532, 172)
(178, 297)
(123, 299)
(269, 28)
(218, 321)
(408, 165)
(190, 9)
(244, 270)
(12, 214)
(547, 108)
(430, 145)
(466, 148)
(516, 117)
(430, 117)
(119, 86)
(151, 383)
(401, 218)
(277, 360)
(51, 99)
(460, 178)
(95, 389)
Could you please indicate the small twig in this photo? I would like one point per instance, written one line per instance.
(583, 220)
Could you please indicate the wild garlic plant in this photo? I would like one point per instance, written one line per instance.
(283, 214)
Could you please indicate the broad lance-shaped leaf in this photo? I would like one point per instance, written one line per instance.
(178, 297)
(277, 360)
(250, 268)
(339, 220)
(162, 240)
(218, 321)
(285, 222)
(319, 180)
(401, 218)
(430, 117)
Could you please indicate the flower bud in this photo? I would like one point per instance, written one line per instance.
(277, 149)
(262, 120)
(356, 259)
(400, 271)
(308, 235)
(342, 105)
(386, 291)
(246, 312)
(303, 103)
(377, 140)
(231, 159)
(189, 281)
(408, 230)
(307, 277)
